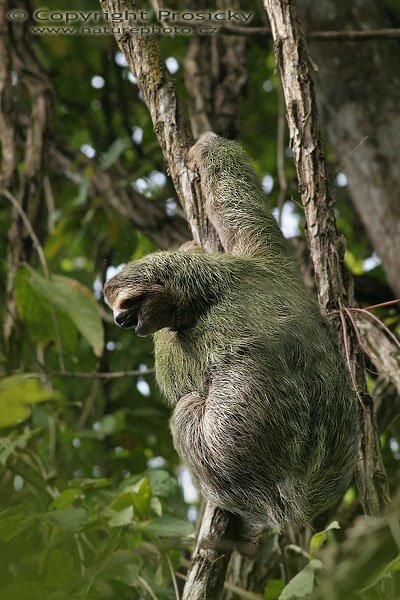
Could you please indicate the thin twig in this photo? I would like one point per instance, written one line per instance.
(99, 374)
(360, 143)
(347, 353)
(89, 403)
(380, 323)
(325, 36)
(281, 154)
(171, 570)
(355, 328)
(29, 229)
(382, 304)
(146, 586)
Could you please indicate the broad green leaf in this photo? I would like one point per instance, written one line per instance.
(138, 496)
(121, 518)
(65, 499)
(303, 583)
(12, 413)
(142, 497)
(319, 538)
(161, 482)
(68, 518)
(167, 526)
(123, 500)
(75, 300)
(34, 310)
(81, 307)
(16, 394)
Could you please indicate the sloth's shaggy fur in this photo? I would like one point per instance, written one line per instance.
(263, 412)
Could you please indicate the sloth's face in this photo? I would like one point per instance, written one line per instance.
(144, 308)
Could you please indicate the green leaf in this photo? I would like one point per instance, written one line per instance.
(121, 518)
(68, 518)
(161, 482)
(319, 538)
(167, 526)
(75, 300)
(156, 506)
(65, 499)
(303, 583)
(16, 393)
(34, 310)
(274, 589)
(142, 497)
(138, 496)
(114, 151)
(394, 565)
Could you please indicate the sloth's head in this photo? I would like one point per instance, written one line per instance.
(141, 302)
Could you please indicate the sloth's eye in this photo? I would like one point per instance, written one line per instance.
(130, 303)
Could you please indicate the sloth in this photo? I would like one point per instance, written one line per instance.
(263, 412)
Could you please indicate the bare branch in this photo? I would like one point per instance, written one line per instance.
(99, 374)
(326, 36)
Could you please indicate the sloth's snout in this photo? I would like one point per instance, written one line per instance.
(120, 318)
(125, 319)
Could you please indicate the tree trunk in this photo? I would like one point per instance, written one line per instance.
(334, 283)
(358, 84)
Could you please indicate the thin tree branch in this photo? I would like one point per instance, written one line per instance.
(326, 36)
(29, 228)
(280, 158)
(99, 374)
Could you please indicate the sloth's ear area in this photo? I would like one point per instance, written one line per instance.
(157, 310)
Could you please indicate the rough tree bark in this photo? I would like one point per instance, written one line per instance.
(359, 92)
(208, 566)
(170, 123)
(216, 78)
(22, 142)
(334, 283)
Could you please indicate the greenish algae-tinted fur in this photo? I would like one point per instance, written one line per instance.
(263, 411)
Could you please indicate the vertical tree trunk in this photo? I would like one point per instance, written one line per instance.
(359, 89)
